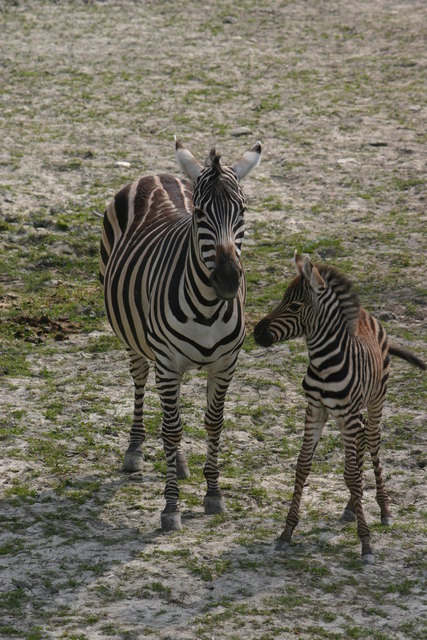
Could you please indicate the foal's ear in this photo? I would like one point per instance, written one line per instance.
(298, 262)
(311, 273)
(186, 162)
(248, 161)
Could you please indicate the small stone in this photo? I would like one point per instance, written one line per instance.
(241, 131)
(122, 163)
(386, 315)
(345, 161)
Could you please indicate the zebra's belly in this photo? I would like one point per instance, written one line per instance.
(338, 401)
(127, 322)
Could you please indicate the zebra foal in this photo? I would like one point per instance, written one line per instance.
(174, 292)
(348, 370)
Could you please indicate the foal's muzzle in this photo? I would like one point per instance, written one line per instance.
(261, 334)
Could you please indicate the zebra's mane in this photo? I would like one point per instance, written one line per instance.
(214, 161)
(219, 177)
(342, 286)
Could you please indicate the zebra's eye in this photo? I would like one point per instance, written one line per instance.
(199, 214)
(295, 306)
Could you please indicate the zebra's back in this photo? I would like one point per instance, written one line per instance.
(139, 204)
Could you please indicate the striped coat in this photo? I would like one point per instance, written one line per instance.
(347, 373)
(174, 293)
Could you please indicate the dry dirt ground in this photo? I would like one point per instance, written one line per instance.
(91, 95)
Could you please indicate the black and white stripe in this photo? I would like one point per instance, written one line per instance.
(348, 372)
(174, 294)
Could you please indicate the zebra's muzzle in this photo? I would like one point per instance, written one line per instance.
(261, 334)
(225, 279)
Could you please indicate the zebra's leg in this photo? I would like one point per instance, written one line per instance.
(139, 368)
(315, 420)
(168, 386)
(182, 469)
(353, 479)
(349, 512)
(373, 437)
(217, 386)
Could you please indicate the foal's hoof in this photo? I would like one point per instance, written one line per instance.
(348, 516)
(133, 460)
(182, 470)
(387, 521)
(171, 521)
(368, 558)
(213, 504)
(282, 545)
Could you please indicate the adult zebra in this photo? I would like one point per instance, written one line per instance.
(348, 371)
(174, 293)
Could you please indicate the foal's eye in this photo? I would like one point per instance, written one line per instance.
(294, 306)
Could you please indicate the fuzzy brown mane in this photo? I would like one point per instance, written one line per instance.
(342, 286)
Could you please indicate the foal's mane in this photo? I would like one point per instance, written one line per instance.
(342, 286)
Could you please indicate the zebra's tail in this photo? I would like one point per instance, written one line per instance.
(410, 357)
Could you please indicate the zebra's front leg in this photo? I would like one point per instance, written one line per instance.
(168, 385)
(218, 383)
(353, 479)
(315, 420)
(139, 368)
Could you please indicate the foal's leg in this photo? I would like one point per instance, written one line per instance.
(349, 513)
(315, 419)
(353, 478)
(373, 437)
(139, 367)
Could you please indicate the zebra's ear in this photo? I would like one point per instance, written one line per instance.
(248, 161)
(297, 262)
(186, 162)
(311, 273)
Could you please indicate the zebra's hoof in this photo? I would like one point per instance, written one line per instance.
(171, 521)
(282, 545)
(133, 460)
(182, 470)
(348, 516)
(387, 521)
(368, 558)
(213, 505)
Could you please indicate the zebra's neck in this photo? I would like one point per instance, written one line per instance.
(328, 340)
(197, 296)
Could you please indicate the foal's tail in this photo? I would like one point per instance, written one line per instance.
(406, 355)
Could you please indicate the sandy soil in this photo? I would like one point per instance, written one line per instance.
(93, 93)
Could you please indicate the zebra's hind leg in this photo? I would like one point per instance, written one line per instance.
(315, 419)
(374, 441)
(349, 514)
(139, 368)
(353, 479)
(218, 383)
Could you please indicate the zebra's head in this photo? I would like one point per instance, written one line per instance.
(218, 220)
(295, 315)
